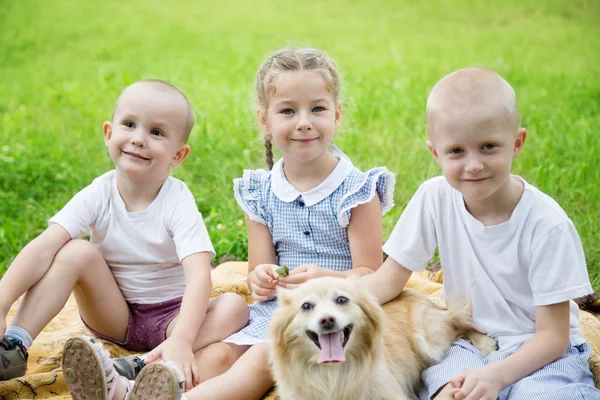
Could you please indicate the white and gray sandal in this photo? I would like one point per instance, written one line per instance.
(88, 370)
(159, 381)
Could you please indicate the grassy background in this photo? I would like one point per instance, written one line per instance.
(63, 63)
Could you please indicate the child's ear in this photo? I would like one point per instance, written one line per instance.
(432, 150)
(181, 155)
(520, 142)
(284, 297)
(261, 116)
(338, 115)
(107, 129)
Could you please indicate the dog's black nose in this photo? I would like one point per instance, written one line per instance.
(328, 322)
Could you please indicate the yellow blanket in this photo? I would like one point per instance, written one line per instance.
(44, 375)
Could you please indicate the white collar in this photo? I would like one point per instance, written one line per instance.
(288, 193)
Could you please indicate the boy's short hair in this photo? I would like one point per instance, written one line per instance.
(472, 89)
(190, 117)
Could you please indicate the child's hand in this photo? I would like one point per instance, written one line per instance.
(262, 282)
(179, 351)
(479, 383)
(300, 275)
(447, 393)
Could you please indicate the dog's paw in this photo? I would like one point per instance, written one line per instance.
(484, 343)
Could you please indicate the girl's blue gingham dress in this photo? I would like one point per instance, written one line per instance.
(307, 228)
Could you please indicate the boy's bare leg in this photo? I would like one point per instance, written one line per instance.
(77, 267)
(217, 358)
(249, 378)
(226, 314)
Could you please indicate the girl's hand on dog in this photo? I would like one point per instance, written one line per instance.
(300, 275)
(262, 282)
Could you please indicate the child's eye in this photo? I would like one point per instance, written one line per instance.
(156, 132)
(318, 109)
(129, 124)
(307, 306)
(456, 151)
(488, 146)
(286, 111)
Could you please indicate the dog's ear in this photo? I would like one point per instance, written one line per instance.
(373, 312)
(284, 297)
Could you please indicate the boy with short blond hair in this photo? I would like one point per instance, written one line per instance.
(143, 280)
(503, 243)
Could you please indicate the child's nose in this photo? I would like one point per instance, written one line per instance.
(137, 138)
(474, 164)
(304, 123)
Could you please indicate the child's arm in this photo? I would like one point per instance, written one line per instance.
(388, 281)
(550, 341)
(29, 267)
(366, 237)
(178, 346)
(261, 261)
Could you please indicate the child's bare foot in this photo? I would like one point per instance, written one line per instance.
(89, 372)
(159, 381)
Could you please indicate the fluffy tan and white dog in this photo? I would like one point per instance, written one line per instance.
(330, 341)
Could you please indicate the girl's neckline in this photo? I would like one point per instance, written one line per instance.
(286, 192)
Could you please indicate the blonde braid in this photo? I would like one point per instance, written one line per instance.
(269, 151)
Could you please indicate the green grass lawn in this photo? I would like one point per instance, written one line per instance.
(62, 64)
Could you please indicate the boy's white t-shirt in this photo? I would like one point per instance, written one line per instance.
(143, 249)
(534, 259)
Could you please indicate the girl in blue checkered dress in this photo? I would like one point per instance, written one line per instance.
(309, 231)
(312, 211)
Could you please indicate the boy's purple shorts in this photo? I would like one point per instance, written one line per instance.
(148, 325)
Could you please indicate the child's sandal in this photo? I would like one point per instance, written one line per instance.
(83, 369)
(88, 370)
(159, 381)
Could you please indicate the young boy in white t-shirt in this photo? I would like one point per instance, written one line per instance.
(143, 280)
(503, 243)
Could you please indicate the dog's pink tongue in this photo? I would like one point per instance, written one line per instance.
(331, 348)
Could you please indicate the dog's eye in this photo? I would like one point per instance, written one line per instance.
(307, 306)
(341, 300)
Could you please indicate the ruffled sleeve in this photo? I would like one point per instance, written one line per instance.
(378, 181)
(248, 192)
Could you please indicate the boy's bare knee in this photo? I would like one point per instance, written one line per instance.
(236, 308)
(218, 355)
(77, 252)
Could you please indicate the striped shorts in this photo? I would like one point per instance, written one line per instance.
(567, 378)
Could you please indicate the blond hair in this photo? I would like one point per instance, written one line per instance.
(289, 60)
(190, 117)
(472, 89)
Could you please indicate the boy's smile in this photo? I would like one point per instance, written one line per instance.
(134, 155)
